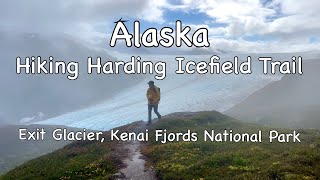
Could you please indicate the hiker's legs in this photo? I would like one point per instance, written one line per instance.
(149, 113)
(156, 111)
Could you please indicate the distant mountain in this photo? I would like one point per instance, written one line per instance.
(294, 101)
(24, 96)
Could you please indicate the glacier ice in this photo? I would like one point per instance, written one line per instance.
(178, 93)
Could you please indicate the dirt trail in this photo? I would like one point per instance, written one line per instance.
(135, 165)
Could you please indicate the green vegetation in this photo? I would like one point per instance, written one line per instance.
(14, 152)
(78, 160)
(229, 160)
(186, 160)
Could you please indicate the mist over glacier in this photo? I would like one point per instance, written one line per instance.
(191, 92)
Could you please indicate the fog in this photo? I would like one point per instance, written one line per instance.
(294, 101)
(34, 98)
(28, 95)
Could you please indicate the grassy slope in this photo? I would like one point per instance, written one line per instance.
(78, 160)
(183, 160)
(212, 160)
(14, 152)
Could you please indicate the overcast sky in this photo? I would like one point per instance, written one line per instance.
(234, 25)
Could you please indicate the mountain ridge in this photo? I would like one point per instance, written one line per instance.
(182, 160)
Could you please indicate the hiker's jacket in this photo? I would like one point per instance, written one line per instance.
(153, 95)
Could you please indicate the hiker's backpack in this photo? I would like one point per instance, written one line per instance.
(159, 93)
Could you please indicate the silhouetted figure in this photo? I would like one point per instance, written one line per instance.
(153, 96)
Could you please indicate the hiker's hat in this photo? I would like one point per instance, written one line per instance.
(151, 82)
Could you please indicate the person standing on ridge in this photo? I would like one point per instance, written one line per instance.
(153, 96)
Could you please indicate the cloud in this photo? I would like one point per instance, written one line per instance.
(244, 16)
(61, 15)
(251, 17)
(154, 11)
(286, 25)
(266, 23)
(90, 21)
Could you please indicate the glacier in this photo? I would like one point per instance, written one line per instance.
(178, 93)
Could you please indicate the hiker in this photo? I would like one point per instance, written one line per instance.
(153, 96)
